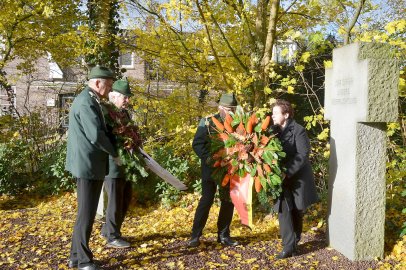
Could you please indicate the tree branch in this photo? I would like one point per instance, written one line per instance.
(352, 23)
(212, 45)
(246, 69)
(287, 9)
(300, 14)
(162, 20)
(243, 16)
(270, 38)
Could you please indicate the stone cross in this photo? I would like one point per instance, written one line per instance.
(361, 95)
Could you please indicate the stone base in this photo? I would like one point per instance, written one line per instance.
(356, 214)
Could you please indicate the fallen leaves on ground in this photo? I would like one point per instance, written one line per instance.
(36, 233)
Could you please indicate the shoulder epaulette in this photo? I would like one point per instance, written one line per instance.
(94, 95)
(207, 119)
(210, 115)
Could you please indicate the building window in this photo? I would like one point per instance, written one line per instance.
(283, 52)
(8, 105)
(127, 60)
(65, 102)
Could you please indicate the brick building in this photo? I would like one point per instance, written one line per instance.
(49, 89)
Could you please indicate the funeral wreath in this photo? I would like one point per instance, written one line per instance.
(128, 141)
(243, 145)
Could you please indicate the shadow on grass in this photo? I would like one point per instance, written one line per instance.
(176, 247)
(176, 250)
(24, 201)
(317, 242)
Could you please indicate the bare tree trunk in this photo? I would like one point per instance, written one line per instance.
(260, 24)
(102, 18)
(352, 23)
(10, 93)
(270, 40)
(257, 87)
(266, 38)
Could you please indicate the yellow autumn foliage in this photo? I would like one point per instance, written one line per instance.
(36, 234)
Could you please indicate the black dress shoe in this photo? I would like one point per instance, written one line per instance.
(91, 266)
(194, 242)
(72, 263)
(118, 243)
(227, 241)
(285, 254)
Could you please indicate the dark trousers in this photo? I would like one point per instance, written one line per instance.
(290, 225)
(88, 193)
(202, 212)
(119, 193)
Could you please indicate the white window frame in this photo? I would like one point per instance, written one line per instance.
(2, 47)
(132, 65)
(14, 100)
(64, 111)
(288, 59)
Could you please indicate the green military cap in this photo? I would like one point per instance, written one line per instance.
(122, 87)
(100, 72)
(228, 100)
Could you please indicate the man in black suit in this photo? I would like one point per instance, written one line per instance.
(201, 145)
(298, 187)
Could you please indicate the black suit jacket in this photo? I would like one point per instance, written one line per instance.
(298, 187)
(201, 145)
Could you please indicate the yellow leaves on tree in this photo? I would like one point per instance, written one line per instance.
(396, 26)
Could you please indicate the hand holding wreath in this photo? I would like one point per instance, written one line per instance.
(128, 141)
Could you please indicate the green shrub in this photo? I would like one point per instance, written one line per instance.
(32, 157)
(55, 178)
(178, 167)
(154, 188)
(319, 157)
(15, 173)
(197, 186)
(395, 179)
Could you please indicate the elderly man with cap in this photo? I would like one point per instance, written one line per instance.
(118, 190)
(88, 150)
(201, 145)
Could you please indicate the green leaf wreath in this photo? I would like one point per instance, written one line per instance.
(128, 141)
(244, 145)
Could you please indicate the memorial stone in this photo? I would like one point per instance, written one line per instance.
(361, 96)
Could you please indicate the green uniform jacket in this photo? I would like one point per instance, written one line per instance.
(115, 171)
(88, 143)
(201, 145)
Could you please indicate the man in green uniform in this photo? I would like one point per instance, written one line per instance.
(201, 145)
(87, 159)
(119, 190)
